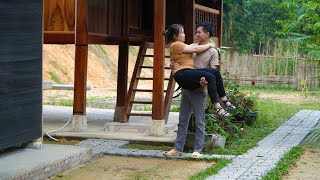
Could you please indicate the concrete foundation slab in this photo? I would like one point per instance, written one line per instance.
(24, 163)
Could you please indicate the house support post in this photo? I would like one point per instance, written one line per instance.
(122, 83)
(158, 121)
(79, 118)
(123, 60)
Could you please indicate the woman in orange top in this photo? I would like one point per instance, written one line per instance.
(185, 75)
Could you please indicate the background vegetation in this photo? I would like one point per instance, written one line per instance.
(251, 25)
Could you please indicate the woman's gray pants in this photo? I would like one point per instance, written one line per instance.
(192, 101)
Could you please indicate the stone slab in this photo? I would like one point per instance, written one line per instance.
(24, 163)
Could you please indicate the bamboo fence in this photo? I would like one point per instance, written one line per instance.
(274, 68)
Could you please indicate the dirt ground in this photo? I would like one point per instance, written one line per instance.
(116, 168)
(307, 167)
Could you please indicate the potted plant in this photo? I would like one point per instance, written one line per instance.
(219, 129)
(215, 136)
(251, 117)
(244, 113)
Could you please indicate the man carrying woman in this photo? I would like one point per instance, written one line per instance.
(193, 100)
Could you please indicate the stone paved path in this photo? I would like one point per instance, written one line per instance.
(261, 159)
(117, 148)
(251, 165)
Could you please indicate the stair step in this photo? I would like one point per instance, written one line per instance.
(143, 78)
(143, 90)
(134, 89)
(150, 45)
(151, 55)
(140, 114)
(151, 67)
(146, 90)
(143, 127)
(141, 102)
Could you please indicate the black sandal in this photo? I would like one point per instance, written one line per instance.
(231, 106)
(225, 114)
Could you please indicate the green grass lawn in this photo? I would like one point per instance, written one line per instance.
(285, 162)
(272, 114)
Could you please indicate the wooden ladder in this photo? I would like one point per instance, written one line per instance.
(133, 89)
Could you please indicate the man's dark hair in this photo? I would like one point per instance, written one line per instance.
(207, 27)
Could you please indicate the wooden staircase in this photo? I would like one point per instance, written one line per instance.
(136, 78)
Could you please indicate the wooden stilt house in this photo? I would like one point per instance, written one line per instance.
(125, 23)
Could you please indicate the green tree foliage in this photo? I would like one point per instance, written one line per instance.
(231, 9)
(252, 23)
(303, 23)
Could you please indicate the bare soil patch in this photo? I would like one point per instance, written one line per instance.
(291, 97)
(307, 166)
(118, 168)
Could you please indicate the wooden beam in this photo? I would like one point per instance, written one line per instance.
(58, 37)
(189, 28)
(97, 38)
(68, 37)
(206, 9)
(158, 63)
(81, 58)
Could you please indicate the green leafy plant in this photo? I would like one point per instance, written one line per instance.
(227, 126)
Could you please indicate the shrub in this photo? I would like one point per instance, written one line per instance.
(228, 126)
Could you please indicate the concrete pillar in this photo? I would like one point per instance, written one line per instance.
(79, 123)
(157, 127)
(35, 144)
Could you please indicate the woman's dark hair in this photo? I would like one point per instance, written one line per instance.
(207, 27)
(173, 29)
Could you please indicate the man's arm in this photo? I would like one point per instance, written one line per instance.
(214, 59)
(196, 48)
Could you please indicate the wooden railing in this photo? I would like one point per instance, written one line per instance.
(203, 13)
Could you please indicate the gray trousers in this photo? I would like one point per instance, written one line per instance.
(192, 101)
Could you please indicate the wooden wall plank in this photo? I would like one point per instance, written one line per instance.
(134, 14)
(58, 37)
(115, 17)
(174, 11)
(98, 16)
(59, 15)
